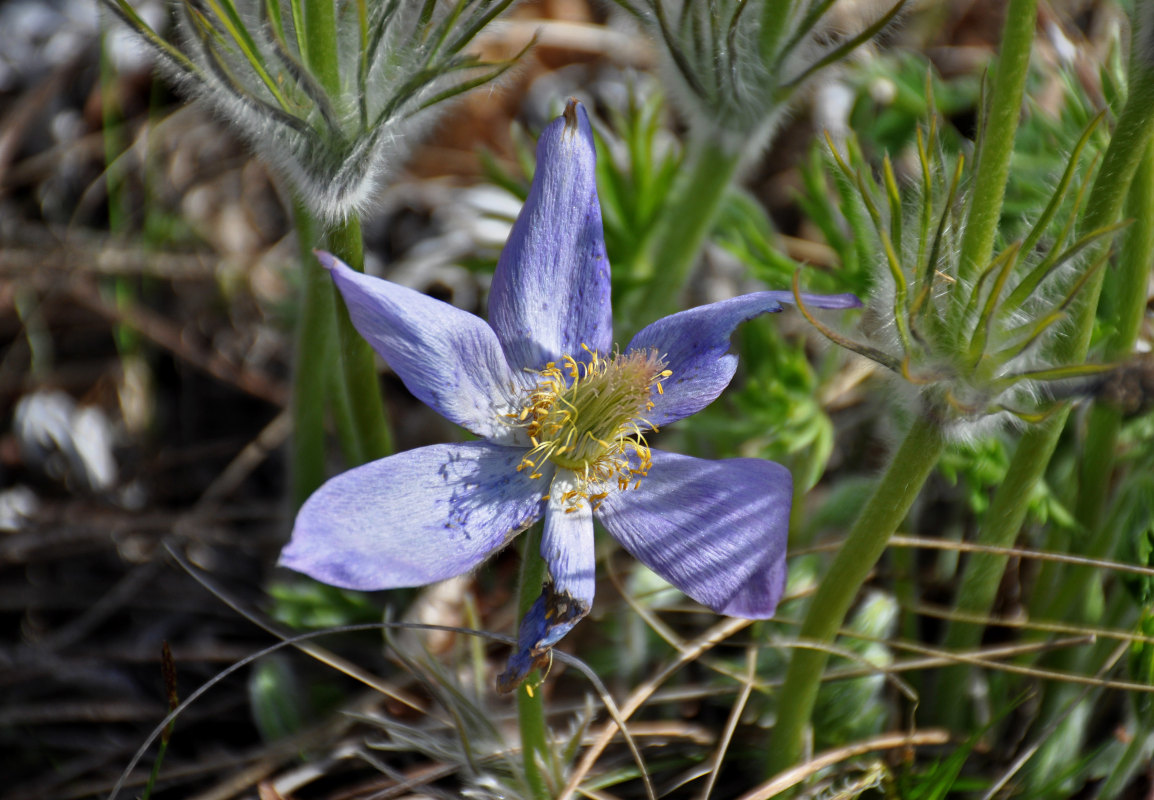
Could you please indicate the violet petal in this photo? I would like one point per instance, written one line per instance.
(414, 518)
(716, 530)
(695, 344)
(567, 547)
(550, 293)
(448, 358)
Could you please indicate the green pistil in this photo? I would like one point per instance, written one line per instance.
(586, 416)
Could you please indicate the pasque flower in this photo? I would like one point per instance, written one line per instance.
(562, 417)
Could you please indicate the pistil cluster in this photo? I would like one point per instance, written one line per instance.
(587, 416)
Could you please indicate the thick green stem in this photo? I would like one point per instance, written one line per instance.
(886, 509)
(677, 242)
(530, 704)
(1125, 291)
(983, 571)
(357, 360)
(313, 355)
(1001, 125)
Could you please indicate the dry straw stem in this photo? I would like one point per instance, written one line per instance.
(718, 633)
(886, 741)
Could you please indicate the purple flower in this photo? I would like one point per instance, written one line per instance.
(562, 416)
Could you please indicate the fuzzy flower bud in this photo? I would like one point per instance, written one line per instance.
(974, 351)
(332, 132)
(733, 65)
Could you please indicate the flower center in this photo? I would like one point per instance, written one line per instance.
(588, 417)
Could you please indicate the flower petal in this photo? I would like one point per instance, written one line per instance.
(448, 358)
(695, 344)
(550, 293)
(414, 518)
(567, 544)
(567, 547)
(716, 530)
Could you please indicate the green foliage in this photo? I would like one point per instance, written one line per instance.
(275, 698)
(853, 709)
(309, 605)
(636, 164)
(979, 465)
(891, 101)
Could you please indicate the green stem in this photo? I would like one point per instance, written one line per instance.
(1125, 291)
(321, 44)
(357, 360)
(681, 233)
(313, 355)
(886, 509)
(983, 571)
(1001, 125)
(777, 25)
(530, 704)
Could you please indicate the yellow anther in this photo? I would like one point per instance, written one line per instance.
(586, 416)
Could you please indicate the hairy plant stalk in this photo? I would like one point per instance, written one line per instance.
(997, 138)
(925, 441)
(530, 704)
(352, 389)
(313, 352)
(358, 364)
(1126, 291)
(1008, 510)
(887, 507)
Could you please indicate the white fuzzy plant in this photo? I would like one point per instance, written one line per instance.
(733, 65)
(333, 137)
(974, 353)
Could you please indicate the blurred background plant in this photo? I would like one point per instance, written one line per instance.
(997, 643)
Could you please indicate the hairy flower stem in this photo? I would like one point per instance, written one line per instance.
(886, 509)
(353, 389)
(676, 244)
(357, 361)
(1126, 295)
(530, 704)
(320, 44)
(997, 139)
(1008, 510)
(314, 349)
(924, 443)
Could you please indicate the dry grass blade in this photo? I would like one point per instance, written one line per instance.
(731, 723)
(304, 644)
(718, 633)
(1040, 555)
(887, 741)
